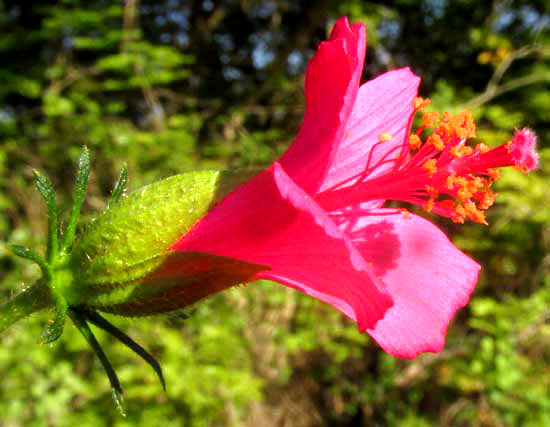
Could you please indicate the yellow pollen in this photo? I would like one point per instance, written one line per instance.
(461, 181)
(464, 125)
(415, 142)
(463, 194)
(429, 205)
(385, 137)
(456, 151)
(430, 119)
(436, 141)
(467, 151)
(420, 103)
(482, 148)
(465, 191)
(494, 174)
(430, 167)
(459, 215)
(447, 117)
(459, 151)
(450, 182)
(488, 200)
(444, 131)
(474, 213)
(478, 184)
(461, 125)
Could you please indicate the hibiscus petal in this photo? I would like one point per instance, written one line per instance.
(428, 278)
(271, 221)
(332, 81)
(383, 105)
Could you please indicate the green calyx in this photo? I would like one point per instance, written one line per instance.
(118, 253)
(57, 274)
(120, 263)
(59, 287)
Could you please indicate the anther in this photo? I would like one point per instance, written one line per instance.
(430, 167)
(415, 142)
(385, 137)
(436, 141)
(430, 118)
(420, 103)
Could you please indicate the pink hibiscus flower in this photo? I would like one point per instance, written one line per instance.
(315, 217)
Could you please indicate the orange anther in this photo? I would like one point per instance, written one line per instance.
(429, 205)
(450, 182)
(420, 103)
(467, 124)
(459, 151)
(479, 183)
(459, 215)
(444, 131)
(487, 200)
(467, 151)
(430, 167)
(456, 151)
(415, 142)
(494, 174)
(474, 213)
(436, 141)
(430, 118)
(482, 148)
(463, 194)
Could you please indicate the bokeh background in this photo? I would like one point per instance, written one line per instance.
(170, 86)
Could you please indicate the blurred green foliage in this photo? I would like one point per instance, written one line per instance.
(169, 86)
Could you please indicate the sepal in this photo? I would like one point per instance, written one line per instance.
(179, 280)
(129, 241)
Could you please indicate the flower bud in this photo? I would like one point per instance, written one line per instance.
(121, 263)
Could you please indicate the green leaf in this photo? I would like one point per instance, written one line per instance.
(79, 195)
(45, 188)
(120, 186)
(29, 254)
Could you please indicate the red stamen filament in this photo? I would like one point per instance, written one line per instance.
(445, 175)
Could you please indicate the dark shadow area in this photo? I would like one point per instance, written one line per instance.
(377, 242)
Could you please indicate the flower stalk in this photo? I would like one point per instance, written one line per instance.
(31, 300)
